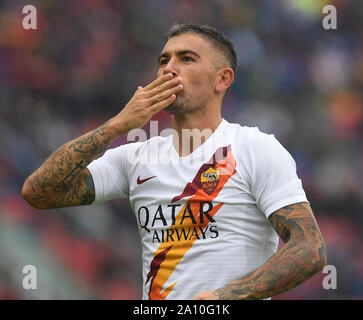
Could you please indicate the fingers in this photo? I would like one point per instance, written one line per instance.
(165, 94)
(159, 81)
(161, 92)
(162, 104)
(162, 87)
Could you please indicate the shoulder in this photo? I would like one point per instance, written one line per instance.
(154, 143)
(257, 152)
(139, 145)
(135, 152)
(251, 138)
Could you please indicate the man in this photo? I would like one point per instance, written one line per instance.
(209, 218)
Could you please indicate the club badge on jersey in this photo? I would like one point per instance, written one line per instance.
(209, 180)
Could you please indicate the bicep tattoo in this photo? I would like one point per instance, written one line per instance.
(81, 193)
(296, 221)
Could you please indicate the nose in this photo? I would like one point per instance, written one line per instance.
(170, 68)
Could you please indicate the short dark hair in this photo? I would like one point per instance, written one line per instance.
(218, 39)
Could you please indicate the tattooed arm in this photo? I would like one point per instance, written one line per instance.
(63, 180)
(300, 258)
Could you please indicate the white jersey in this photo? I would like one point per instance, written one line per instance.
(202, 218)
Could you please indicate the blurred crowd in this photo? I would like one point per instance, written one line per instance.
(83, 63)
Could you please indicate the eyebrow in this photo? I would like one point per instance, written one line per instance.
(179, 53)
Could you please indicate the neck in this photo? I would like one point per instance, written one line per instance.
(193, 129)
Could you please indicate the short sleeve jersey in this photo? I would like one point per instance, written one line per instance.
(202, 218)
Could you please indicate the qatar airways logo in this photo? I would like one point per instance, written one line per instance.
(172, 222)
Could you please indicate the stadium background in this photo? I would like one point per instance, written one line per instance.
(295, 79)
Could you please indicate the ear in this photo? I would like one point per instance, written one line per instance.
(225, 77)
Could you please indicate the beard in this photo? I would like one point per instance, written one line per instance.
(183, 105)
(177, 107)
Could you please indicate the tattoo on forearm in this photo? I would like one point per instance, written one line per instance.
(60, 186)
(301, 257)
(59, 182)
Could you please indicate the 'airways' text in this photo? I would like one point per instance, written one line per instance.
(185, 234)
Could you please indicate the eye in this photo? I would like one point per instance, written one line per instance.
(163, 62)
(187, 59)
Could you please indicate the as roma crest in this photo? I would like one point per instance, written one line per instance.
(209, 180)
